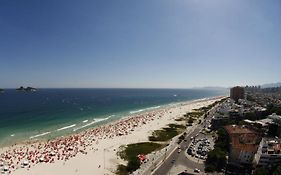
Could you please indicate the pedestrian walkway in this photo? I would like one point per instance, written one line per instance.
(155, 159)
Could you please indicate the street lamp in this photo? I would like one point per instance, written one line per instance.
(104, 158)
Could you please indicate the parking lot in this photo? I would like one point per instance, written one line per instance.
(199, 141)
(199, 147)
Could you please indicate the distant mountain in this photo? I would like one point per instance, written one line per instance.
(216, 88)
(1, 90)
(20, 89)
(30, 89)
(269, 85)
(210, 87)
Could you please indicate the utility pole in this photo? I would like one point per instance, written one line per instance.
(104, 158)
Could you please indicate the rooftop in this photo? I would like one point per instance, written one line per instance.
(275, 117)
(262, 122)
(236, 129)
(242, 138)
(272, 146)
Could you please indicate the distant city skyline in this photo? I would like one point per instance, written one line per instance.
(139, 44)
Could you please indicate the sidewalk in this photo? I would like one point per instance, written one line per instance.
(157, 158)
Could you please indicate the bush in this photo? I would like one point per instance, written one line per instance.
(166, 134)
(122, 170)
(190, 120)
(210, 169)
(130, 153)
(133, 164)
(181, 137)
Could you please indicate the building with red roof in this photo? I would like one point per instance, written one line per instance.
(244, 144)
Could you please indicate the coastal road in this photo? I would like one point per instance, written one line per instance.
(176, 158)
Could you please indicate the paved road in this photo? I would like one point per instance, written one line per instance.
(180, 158)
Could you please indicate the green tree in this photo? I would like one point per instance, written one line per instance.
(223, 140)
(210, 168)
(277, 171)
(261, 171)
(217, 159)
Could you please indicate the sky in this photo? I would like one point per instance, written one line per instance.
(139, 44)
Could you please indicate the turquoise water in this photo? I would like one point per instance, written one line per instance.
(49, 113)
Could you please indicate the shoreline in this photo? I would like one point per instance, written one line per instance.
(92, 140)
(92, 123)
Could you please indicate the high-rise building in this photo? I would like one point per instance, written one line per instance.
(237, 93)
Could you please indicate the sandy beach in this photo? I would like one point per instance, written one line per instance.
(92, 151)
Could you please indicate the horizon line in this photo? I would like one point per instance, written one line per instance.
(206, 87)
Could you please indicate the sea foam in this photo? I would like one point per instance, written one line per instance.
(145, 109)
(66, 127)
(137, 111)
(93, 122)
(39, 135)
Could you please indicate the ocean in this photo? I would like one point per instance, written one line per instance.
(49, 113)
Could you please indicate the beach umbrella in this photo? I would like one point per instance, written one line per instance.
(25, 163)
(52, 153)
(41, 159)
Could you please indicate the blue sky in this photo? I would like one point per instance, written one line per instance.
(148, 43)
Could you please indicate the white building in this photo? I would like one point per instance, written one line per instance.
(269, 153)
(275, 118)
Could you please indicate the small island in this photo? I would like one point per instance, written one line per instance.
(27, 89)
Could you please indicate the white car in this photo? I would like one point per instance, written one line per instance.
(196, 170)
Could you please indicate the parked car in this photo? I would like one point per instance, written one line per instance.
(189, 151)
(196, 170)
